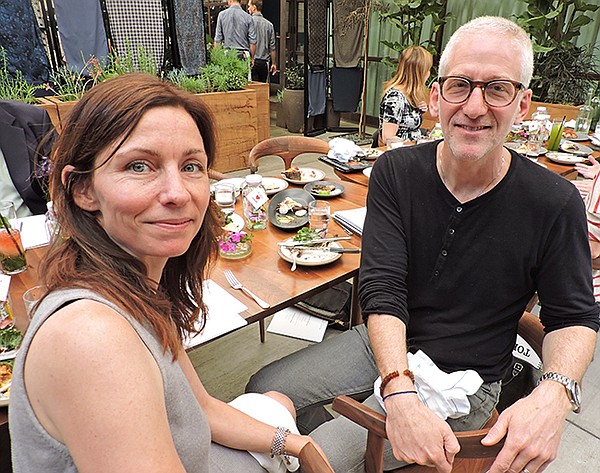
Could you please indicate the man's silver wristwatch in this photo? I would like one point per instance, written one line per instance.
(571, 386)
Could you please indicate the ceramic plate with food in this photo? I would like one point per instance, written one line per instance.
(371, 153)
(565, 158)
(304, 257)
(5, 381)
(575, 148)
(273, 185)
(233, 223)
(324, 189)
(527, 149)
(10, 340)
(288, 209)
(302, 175)
(572, 135)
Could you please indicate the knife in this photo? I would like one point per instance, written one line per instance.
(306, 243)
(328, 249)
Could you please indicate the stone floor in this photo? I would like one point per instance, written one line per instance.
(226, 364)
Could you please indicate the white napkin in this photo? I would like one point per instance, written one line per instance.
(570, 124)
(444, 393)
(269, 411)
(343, 150)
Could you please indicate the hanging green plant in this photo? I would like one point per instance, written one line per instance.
(15, 87)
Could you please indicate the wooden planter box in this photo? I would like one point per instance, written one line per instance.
(242, 119)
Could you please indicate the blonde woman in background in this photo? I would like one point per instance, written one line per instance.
(405, 97)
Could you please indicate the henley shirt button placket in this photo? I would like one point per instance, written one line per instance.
(451, 231)
(459, 209)
(444, 253)
(436, 273)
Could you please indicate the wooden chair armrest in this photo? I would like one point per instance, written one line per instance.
(374, 422)
(312, 461)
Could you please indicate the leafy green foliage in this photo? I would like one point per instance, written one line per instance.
(224, 72)
(10, 339)
(69, 83)
(117, 64)
(294, 77)
(562, 69)
(14, 87)
(408, 16)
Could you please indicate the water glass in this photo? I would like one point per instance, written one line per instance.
(12, 253)
(31, 297)
(584, 120)
(319, 213)
(225, 197)
(555, 135)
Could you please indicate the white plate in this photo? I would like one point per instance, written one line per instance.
(306, 175)
(575, 148)
(9, 355)
(580, 136)
(3, 401)
(273, 185)
(237, 223)
(367, 172)
(309, 257)
(565, 158)
(517, 147)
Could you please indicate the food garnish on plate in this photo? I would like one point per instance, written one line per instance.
(10, 339)
(323, 189)
(569, 134)
(569, 146)
(293, 173)
(5, 378)
(288, 209)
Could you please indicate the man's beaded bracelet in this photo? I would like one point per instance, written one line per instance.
(279, 439)
(394, 374)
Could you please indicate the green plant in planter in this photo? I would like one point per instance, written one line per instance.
(69, 83)
(116, 65)
(562, 70)
(15, 87)
(223, 73)
(294, 77)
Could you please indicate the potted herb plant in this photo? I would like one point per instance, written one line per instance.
(293, 98)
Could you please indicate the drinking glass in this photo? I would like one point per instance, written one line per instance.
(12, 254)
(31, 298)
(319, 214)
(225, 197)
(555, 135)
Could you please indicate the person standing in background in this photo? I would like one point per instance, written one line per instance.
(265, 43)
(235, 30)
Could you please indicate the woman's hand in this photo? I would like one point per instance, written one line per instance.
(423, 107)
(588, 171)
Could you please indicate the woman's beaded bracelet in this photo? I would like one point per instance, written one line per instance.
(279, 439)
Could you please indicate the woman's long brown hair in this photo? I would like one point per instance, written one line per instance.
(414, 64)
(86, 257)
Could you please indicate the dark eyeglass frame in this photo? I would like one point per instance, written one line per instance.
(482, 85)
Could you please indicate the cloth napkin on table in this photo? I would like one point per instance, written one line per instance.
(444, 393)
(343, 150)
(353, 219)
(269, 411)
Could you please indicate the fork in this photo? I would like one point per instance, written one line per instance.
(234, 283)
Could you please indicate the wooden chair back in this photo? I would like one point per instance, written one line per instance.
(287, 148)
(472, 458)
(554, 110)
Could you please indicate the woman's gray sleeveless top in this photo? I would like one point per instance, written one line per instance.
(33, 449)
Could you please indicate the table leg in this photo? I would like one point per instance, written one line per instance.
(261, 328)
(355, 314)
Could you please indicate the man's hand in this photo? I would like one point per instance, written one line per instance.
(273, 69)
(417, 435)
(533, 427)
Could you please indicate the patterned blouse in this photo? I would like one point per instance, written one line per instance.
(395, 108)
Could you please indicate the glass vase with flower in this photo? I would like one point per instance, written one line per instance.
(235, 244)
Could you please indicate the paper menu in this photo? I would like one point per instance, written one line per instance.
(223, 314)
(353, 219)
(33, 231)
(296, 323)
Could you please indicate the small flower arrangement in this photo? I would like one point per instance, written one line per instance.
(235, 244)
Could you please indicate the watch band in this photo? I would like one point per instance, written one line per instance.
(571, 387)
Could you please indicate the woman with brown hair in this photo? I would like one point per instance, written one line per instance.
(404, 97)
(102, 381)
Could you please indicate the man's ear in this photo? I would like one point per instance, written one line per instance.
(524, 105)
(82, 195)
(434, 97)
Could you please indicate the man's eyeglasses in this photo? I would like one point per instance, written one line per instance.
(496, 93)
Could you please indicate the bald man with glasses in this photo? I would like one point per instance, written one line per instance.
(460, 233)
